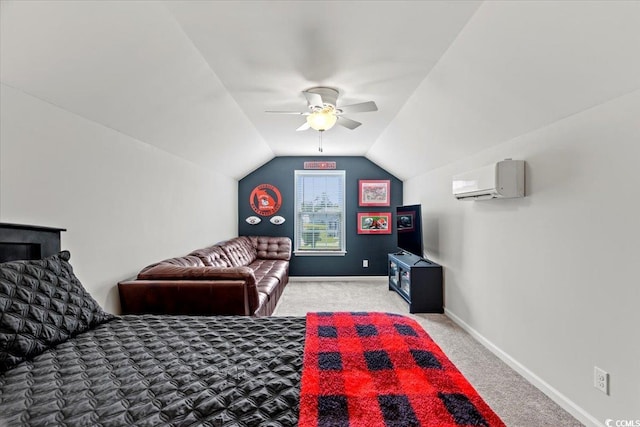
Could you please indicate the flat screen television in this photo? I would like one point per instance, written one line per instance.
(409, 229)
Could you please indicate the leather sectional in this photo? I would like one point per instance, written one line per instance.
(241, 276)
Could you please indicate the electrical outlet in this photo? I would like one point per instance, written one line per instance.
(601, 380)
(365, 263)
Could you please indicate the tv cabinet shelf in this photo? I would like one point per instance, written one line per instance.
(418, 281)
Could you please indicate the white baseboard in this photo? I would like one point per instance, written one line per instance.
(564, 402)
(376, 279)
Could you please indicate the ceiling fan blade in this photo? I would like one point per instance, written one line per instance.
(313, 99)
(305, 126)
(348, 123)
(362, 107)
(301, 113)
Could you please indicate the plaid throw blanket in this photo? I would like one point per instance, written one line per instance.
(381, 369)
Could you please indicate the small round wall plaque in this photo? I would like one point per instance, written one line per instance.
(253, 220)
(277, 220)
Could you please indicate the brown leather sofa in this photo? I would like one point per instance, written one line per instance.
(241, 276)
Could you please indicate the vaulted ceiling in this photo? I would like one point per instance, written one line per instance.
(194, 78)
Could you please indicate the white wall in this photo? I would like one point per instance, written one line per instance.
(124, 203)
(549, 282)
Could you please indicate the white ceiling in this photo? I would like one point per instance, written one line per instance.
(194, 78)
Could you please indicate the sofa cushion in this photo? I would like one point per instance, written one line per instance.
(213, 256)
(269, 268)
(269, 247)
(240, 251)
(42, 303)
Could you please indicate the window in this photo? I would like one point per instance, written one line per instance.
(320, 217)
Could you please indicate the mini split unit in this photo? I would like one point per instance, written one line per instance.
(504, 179)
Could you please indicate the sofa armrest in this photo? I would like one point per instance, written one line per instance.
(175, 272)
(186, 297)
(175, 289)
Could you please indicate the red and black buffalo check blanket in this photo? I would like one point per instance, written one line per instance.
(382, 369)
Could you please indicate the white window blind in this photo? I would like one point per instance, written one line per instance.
(320, 213)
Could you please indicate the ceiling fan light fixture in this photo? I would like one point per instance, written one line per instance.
(322, 119)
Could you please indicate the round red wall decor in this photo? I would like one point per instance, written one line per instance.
(265, 199)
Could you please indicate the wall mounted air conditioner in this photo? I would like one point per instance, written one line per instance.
(504, 179)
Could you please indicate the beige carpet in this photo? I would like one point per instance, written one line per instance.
(516, 401)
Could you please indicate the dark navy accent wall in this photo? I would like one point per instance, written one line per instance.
(279, 172)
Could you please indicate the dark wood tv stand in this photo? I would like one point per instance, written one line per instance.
(418, 281)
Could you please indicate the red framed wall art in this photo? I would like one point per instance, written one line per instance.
(374, 192)
(374, 222)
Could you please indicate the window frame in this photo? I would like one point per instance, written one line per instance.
(298, 215)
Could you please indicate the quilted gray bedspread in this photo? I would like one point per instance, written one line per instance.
(163, 371)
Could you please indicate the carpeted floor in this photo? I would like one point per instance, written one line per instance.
(515, 400)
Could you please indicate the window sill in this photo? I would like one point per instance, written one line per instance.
(319, 253)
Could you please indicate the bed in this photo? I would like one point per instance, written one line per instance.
(153, 370)
(64, 361)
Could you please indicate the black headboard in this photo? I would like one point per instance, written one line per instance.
(19, 241)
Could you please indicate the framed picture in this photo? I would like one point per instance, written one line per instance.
(404, 222)
(374, 192)
(374, 222)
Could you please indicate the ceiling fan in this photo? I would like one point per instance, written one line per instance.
(324, 113)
